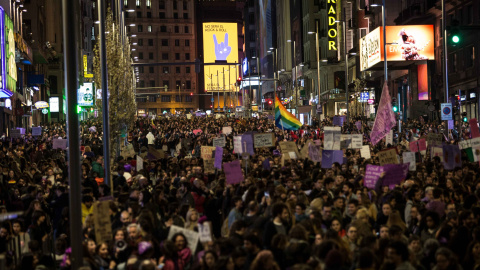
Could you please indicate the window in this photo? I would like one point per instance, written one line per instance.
(149, 28)
(252, 53)
(185, 7)
(185, 15)
(149, 3)
(453, 62)
(140, 69)
(177, 69)
(164, 42)
(166, 84)
(188, 85)
(177, 30)
(138, 3)
(151, 70)
(144, 99)
(165, 69)
(152, 98)
(139, 14)
(187, 70)
(141, 83)
(163, 29)
(161, 4)
(187, 43)
(140, 55)
(150, 55)
(140, 42)
(177, 56)
(188, 98)
(161, 15)
(175, 15)
(252, 36)
(175, 5)
(251, 18)
(469, 15)
(469, 56)
(150, 42)
(140, 28)
(166, 98)
(125, 3)
(186, 29)
(152, 83)
(177, 42)
(126, 14)
(178, 98)
(149, 14)
(164, 56)
(187, 56)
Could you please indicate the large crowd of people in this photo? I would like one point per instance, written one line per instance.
(286, 214)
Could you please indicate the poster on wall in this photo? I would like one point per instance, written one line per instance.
(85, 95)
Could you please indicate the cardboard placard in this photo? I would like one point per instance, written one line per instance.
(192, 236)
(263, 140)
(206, 152)
(209, 165)
(103, 224)
(220, 141)
(365, 152)
(227, 130)
(288, 147)
(388, 157)
(409, 157)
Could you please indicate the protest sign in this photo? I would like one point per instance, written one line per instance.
(101, 219)
(475, 142)
(304, 151)
(314, 153)
(165, 148)
(247, 143)
(409, 157)
(451, 157)
(197, 131)
(357, 141)
(450, 124)
(437, 152)
(464, 144)
(154, 153)
(227, 130)
(365, 152)
(205, 231)
(263, 140)
(139, 163)
(237, 144)
(218, 157)
(331, 156)
(233, 172)
(189, 116)
(434, 139)
(358, 124)
(394, 174)
(59, 144)
(332, 138)
(338, 121)
(209, 165)
(36, 131)
(206, 152)
(474, 128)
(372, 173)
(389, 138)
(191, 236)
(288, 147)
(387, 157)
(476, 154)
(15, 133)
(220, 141)
(345, 141)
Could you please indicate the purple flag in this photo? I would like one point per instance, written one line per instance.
(233, 172)
(451, 157)
(372, 173)
(385, 119)
(218, 157)
(394, 174)
(359, 125)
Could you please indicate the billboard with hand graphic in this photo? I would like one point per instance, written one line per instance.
(220, 43)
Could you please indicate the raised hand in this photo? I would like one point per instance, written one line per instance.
(222, 50)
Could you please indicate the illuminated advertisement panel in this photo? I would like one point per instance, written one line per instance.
(404, 43)
(332, 25)
(422, 72)
(4, 92)
(10, 55)
(54, 104)
(220, 43)
(85, 95)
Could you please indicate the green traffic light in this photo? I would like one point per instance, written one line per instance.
(465, 119)
(395, 109)
(455, 39)
(79, 109)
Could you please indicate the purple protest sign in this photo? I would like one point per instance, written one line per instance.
(247, 143)
(450, 124)
(218, 158)
(233, 172)
(394, 174)
(331, 156)
(372, 173)
(338, 121)
(451, 157)
(359, 125)
(266, 164)
(385, 119)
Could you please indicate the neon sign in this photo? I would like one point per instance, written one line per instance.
(332, 25)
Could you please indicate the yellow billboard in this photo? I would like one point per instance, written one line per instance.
(220, 43)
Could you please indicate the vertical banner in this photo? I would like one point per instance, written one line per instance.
(385, 119)
(422, 81)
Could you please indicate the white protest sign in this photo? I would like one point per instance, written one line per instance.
(345, 141)
(464, 144)
(365, 152)
(409, 157)
(314, 153)
(165, 148)
(139, 163)
(189, 116)
(475, 142)
(332, 138)
(292, 155)
(237, 144)
(389, 138)
(263, 140)
(220, 141)
(357, 141)
(36, 131)
(476, 153)
(226, 130)
(205, 232)
(192, 236)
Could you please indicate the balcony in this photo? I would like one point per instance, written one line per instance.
(416, 10)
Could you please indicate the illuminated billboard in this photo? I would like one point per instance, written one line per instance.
(54, 104)
(220, 43)
(332, 25)
(85, 95)
(8, 68)
(404, 43)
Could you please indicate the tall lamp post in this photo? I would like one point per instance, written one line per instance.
(294, 64)
(275, 55)
(319, 100)
(344, 21)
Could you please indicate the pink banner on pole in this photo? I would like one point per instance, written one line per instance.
(385, 119)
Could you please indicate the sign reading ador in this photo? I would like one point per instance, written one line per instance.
(332, 25)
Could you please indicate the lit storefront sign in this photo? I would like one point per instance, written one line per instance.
(54, 104)
(41, 104)
(5, 89)
(85, 67)
(404, 43)
(85, 95)
(332, 25)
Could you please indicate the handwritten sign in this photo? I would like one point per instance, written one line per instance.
(220, 141)
(357, 141)
(388, 157)
(372, 174)
(263, 140)
(36, 131)
(332, 138)
(365, 152)
(59, 144)
(192, 236)
(288, 147)
(409, 157)
(389, 138)
(233, 172)
(314, 153)
(209, 165)
(205, 231)
(434, 139)
(237, 144)
(227, 130)
(101, 219)
(206, 152)
(139, 163)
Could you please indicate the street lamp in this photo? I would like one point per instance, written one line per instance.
(346, 58)
(275, 76)
(319, 100)
(295, 81)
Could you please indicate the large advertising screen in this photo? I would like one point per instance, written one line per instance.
(220, 43)
(404, 43)
(85, 95)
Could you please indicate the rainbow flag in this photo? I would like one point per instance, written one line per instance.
(284, 119)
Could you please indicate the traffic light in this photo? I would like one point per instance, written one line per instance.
(464, 117)
(239, 81)
(270, 102)
(394, 105)
(79, 109)
(454, 34)
(191, 94)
